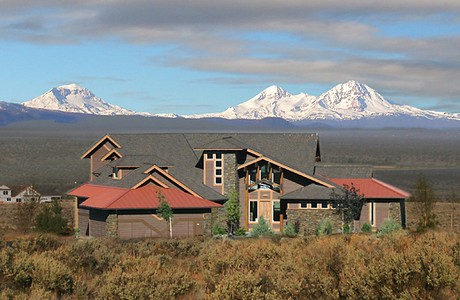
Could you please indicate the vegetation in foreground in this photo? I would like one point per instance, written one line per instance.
(419, 266)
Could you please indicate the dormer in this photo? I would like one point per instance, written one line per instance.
(101, 153)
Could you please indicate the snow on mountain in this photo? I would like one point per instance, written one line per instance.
(271, 102)
(347, 101)
(76, 99)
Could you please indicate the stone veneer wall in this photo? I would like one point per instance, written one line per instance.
(217, 216)
(395, 211)
(310, 218)
(111, 226)
(230, 172)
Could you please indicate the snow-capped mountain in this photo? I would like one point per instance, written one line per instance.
(347, 101)
(75, 99)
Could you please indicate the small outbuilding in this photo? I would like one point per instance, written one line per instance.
(107, 211)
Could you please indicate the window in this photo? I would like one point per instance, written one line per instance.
(303, 204)
(276, 176)
(372, 213)
(18, 200)
(209, 155)
(253, 175)
(252, 211)
(324, 205)
(264, 172)
(276, 211)
(115, 173)
(8, 199)
(314, 204)
(5, 192)
(218, 168)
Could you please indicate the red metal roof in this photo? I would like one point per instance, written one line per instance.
(372, 188)
(146, 197)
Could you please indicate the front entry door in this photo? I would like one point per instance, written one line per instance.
(265, 210)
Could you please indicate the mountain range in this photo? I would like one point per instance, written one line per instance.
(350, 103)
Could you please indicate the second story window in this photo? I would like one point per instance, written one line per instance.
(218, 168)
(115, 173)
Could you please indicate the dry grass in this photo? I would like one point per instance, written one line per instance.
(358, 267)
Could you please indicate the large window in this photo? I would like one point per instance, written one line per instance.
(253, 211)
(276, 176)
(265, 172)
(372, 213)
(253, 175)
(276, 211)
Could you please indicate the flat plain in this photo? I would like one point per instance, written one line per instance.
(48, 154)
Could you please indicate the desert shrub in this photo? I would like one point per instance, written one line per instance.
(366, 228)
(290, 230)
(51, 274)
(389, 226)
(143, 279)
(324, 227)
(218, 229)
(261, 229)
(20, 271)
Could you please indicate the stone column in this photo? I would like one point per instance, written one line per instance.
(230, 172)
(111, 226)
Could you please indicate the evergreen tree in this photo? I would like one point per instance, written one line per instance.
(50, 218)
(348, 204)
(424, 201)
(232, 211)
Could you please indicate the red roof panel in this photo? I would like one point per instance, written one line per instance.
(372, 188)
(146, 197)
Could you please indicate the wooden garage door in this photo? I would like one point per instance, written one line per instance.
(140, 226)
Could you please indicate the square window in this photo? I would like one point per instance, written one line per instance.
(218, 163)
(209, 155)
(314, 204)
(218, 155)
(303, 204)
(218, 172)
(218, 180)
(324, 205)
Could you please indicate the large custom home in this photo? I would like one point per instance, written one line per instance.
(279, 177)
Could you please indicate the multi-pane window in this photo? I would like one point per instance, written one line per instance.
(5, 192)
(218, 168)
(217, 158)
(276, 211)
(253, 211)
(303, 204)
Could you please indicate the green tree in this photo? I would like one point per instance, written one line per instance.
(26, 212)
(348, 204)
(50, 218)
(424, 201)
(232, 211)
(261, 229)
(165, 211)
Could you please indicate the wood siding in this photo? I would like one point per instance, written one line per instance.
(97, 223)
(149, 225)
(96, 157)
(83, 221)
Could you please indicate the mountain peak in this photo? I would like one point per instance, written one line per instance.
(273, 91)
(76, 99)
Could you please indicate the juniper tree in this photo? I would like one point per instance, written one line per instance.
(348, 203)
(424, 201)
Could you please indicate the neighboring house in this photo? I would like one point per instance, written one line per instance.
(279, 177)
(17, 193)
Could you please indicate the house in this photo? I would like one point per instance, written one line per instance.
(17, 193)
(278, 176)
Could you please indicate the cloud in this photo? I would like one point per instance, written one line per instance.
(291, 41)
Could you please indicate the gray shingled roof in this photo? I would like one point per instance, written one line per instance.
(343, 171)
(295, 150)
(311, 192)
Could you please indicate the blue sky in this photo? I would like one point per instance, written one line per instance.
(203, 56)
